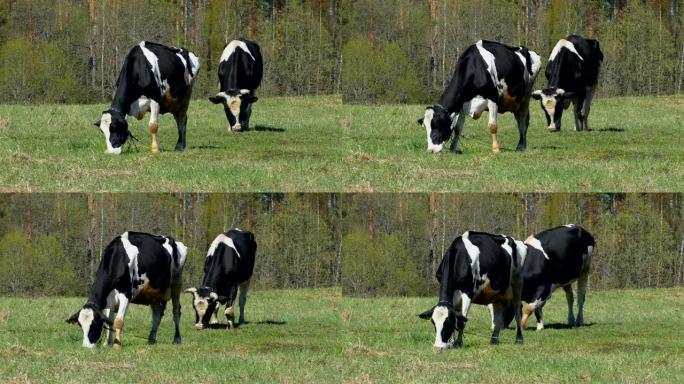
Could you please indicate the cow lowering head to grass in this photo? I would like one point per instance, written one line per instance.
(240, 72)
(489, 76)
(228, 266)
(136, 268)
(477, 268)
(153, 78)
(572, 75)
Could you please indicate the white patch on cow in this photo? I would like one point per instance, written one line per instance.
(535, 243)
(194, 64)
(154, 62)
(222, 239)
(167, 246)
(562, 43)
(522, 250)
(234, 104)
(427, 123)
(507, 247)
(230, 49)
(140, 107)
(132, 252)
(569, 225)
(182, 253)
(474, 254)
(105, 123)
(86, 316)
(475, 106)
(439, 316)
(489, 61)
(536, 63)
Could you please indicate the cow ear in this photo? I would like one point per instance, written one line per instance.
(427, 315)
(216, 99)
(191, 291)
(420, 121)
(73, 319)
(97, 123)
(537, 95)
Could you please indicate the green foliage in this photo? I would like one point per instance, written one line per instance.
(38, 73)
(380, 74)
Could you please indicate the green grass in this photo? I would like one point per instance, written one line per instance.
(291, 336)
(634, 336)
(317, 144)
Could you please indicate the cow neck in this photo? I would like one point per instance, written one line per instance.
(451, 100)
(101, 288)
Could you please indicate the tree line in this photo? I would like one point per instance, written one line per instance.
(368, 244)
(369, 51)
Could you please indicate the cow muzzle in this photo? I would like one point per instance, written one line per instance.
(435, 148)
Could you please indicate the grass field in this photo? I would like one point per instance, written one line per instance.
(291, 336)
(633, 336)
(305, 336)
(317, 144)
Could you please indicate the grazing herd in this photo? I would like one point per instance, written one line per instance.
(489, 76)
(501, 272)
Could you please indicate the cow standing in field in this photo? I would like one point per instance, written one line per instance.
(556, 258)
(477, 268)
(572, 74)
(240, 71)
(136, 268)
(229, 264)
(154, 78)
(489, 76)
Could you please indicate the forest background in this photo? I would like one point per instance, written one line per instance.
(369, 51)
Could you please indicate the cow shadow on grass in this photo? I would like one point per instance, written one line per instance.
(611, 129)
(210, 147)
(564, 326)
(261, 322)
(265, 128)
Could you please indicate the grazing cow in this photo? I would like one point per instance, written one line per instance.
(556, 258)
(572, 75)
(489, 76)
(229, 264)
(136, 268)
(153, 78)
(240, 71)
(477, 268)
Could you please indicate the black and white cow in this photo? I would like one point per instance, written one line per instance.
(229, 264)
(489, 76)
(478, 268)
(153, 78)
(136, 268)
(240, 71)
(572, 75)
(556, 258)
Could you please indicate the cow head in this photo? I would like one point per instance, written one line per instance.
(115, 128)
(238, 106)
(205, 302)
(91, 320)
(437, 122)
(445, 320)
(553, 101)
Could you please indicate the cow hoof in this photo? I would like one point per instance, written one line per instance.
(116, 345)
(496, 150)
(151, 341)
(180, 148)
(519, 341)
(520, 149)
(177, 341)
(230, 325)
(494, 341)
(155, 149)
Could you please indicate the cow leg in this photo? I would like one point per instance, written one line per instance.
(229, 312)
(586, 107)
(157, 314)
(214, 316)
(175, 302)
(523, 119)
(517, 307)
(460, 121)
(181, 123)
(460, 325)
(244, 287)
(110, 312)
(539, 314)
(491, 314)
(153, 125)
(119, 321)
(248, 113)
(578, 113)
(493, 108)
(499, 309)
(582, 282)
(571, 300)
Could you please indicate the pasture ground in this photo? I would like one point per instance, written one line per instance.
(316, 144)
(291, 336)
(633, 336)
